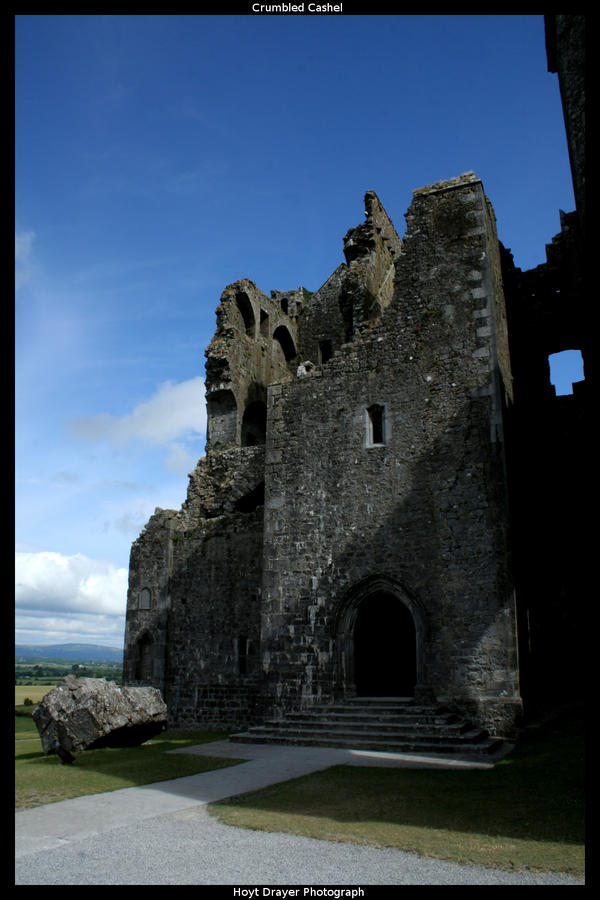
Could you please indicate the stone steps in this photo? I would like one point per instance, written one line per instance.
(381, 746)
(418, 717)
(383, 724)
(375, 725)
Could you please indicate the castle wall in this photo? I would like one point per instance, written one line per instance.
(565, 47)
(214, 622)
(374, 480)
(425, 510)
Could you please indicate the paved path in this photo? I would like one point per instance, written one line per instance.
(162, 833)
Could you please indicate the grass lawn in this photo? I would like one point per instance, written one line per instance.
(43, 779)
(526, 812)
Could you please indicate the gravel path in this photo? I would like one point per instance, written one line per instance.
(190, 847)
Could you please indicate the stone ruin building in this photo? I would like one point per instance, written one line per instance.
(389, 501)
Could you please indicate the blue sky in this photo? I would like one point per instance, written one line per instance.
(159, 159)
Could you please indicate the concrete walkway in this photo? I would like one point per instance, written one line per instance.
(138, 835)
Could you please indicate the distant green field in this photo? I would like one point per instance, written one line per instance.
(50, 672)
(34, 692)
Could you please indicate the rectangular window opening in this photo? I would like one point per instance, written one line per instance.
(376, 425)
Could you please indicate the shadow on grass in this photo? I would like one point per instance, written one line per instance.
(497, 816)
(41, 778)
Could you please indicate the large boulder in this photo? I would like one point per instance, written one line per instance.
(87, 713)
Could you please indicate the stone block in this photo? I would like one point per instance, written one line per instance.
(87, 713)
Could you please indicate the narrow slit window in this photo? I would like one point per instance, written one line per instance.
(242, 655)
(376, 425)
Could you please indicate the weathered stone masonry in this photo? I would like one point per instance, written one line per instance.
(354, 459)
(417, 514)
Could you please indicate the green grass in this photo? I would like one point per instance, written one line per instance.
(43, 779)
(525, 813)
(24, 722)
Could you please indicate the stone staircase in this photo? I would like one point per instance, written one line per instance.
(386, 724)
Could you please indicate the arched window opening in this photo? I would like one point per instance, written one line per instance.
(254, 424)
(264, 323)
(284, 305)
(375, 425)
(566, 368)
(285, 341)
(247, 313)
(145, 598)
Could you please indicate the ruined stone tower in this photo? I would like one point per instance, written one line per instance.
(347, 531)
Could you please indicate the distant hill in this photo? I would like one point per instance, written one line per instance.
(77, 652)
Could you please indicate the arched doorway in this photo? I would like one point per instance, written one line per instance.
(385, 647)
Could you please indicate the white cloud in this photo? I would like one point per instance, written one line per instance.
(175, 413)
(49, 582)
(180, 459)
(107, 631)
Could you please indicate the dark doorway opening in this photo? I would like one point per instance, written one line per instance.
(254, 424)
(385, 648)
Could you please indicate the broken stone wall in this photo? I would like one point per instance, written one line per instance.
(255, 343)
(146, 632)
(355, 294)
(203, 568)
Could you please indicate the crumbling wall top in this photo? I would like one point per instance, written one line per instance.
(375, 233)
(459, 181)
